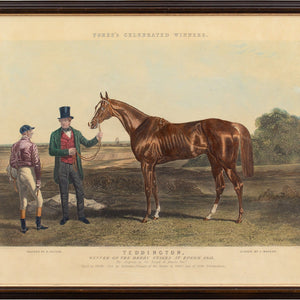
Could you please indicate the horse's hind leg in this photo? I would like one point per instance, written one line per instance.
(217, 172)
(238, 187)
(155, 194)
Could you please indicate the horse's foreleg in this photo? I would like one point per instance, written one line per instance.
(238, 187)
(148, 175)
(155, 194)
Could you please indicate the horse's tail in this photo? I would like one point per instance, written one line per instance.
(246, 150)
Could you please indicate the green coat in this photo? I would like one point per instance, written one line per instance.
(55, 150)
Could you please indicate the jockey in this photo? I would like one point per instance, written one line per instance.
(25, 159)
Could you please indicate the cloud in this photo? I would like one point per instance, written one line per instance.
(176, 80)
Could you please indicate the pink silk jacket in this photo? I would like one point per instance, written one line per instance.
(24, 153)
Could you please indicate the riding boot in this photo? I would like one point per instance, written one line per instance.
(23, 226)
(38, 223)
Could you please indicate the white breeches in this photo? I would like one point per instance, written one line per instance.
(27, 185)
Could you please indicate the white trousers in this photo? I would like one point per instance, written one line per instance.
(26, 181)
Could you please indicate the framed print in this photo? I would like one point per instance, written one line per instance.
(150, 149)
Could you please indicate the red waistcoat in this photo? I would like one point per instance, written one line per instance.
(67, 143)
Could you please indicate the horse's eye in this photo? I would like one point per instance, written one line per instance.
(102, 108)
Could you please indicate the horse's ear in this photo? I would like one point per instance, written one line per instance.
(106, 95)
(101, 96)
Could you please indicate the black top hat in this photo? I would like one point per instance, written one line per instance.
(65, 112)
(25, 128)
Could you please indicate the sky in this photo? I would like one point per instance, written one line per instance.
(177, 79)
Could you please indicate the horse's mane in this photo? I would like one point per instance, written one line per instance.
(124, 104)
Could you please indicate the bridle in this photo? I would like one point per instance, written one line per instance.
(99, 128)
(92, 157)
(97, 108)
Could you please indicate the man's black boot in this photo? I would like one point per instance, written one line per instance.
(23, 226)
(39, 226)
(63, 221)
(84, 220)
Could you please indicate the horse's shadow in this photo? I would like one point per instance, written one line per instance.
(137, 215)
(184, 216)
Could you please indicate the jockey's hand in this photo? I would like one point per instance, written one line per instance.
(38, 184)
(99, 136)
(72, 151)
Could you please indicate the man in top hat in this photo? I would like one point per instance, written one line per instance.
(25, 158)
(64, 144)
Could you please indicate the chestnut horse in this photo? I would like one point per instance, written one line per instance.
(156, 141)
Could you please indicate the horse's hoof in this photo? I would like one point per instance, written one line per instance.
(238, 221)
(206, 219)
(155, 218)
(144, 221)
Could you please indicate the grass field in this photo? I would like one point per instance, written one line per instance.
(271, 204)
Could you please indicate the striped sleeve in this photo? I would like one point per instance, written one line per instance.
(13, 161)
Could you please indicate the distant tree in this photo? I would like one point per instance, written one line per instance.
(277, 138)
(117, 141)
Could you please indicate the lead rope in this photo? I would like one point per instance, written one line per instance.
(85, 157)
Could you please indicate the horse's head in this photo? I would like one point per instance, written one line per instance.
(103, 111)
